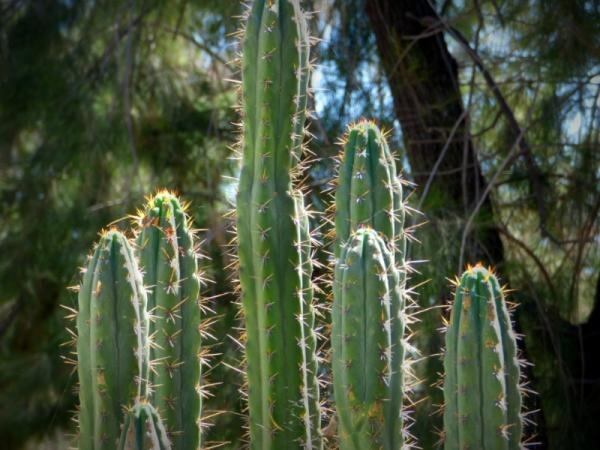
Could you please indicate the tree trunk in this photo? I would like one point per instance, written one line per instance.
(589, 335)
(423, 79)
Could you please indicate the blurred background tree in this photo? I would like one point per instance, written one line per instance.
(491, 104)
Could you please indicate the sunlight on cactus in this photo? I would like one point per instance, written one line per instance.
(167, 254)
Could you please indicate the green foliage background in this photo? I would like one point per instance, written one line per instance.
(103, 102)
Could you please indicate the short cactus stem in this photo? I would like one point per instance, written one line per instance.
(165, 246)
(272, 232)
(369, 191)
(143, 430)
(368, 350)
(481, 387)
(112, 346)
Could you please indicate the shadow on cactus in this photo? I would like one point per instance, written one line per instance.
(143, 430)
(368, 347)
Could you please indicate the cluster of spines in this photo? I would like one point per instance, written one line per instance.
(112, 341)
(143, 429)
(168, 259)
(272, 231)
(368, 349)
(482, 390)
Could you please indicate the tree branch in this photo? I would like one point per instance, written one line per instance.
(535, 175)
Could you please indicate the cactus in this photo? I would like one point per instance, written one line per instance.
(369, 192)
(272, 232)
(165, 246)
(112, 344)
(481, 386)
(367, 344)
(143, 430)
(308, 338)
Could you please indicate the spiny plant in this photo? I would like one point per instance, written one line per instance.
(168, 259)
(368, 349)
(482, 391)
(112, 341)
(308, 336)
(144, 430)
(369, 191)
(272, 231)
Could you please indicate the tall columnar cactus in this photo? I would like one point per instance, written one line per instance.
(369, 192)
(367, 344)
(112, 346)
(274, 248)
(481, 386)
(307, 339)
(165, 246)
(143, 430)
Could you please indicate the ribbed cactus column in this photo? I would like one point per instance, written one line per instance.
(367, 344)
(112, 344)
(143, 430)
(369, 192)
(307, 341)
(274, 249)
(165, 246)
(481, 387)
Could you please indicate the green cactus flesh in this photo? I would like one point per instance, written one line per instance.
(112, 344)
(307, 340)
(367, 344)
(143, 430)
(369, 192)
(481, 387)
(273, 242)
(165, 246)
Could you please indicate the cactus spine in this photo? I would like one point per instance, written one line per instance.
(112, 343)
(165, 246)
(143, 430)
(367, 347)
(274, 249)
(369, 192)
(481, 387)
